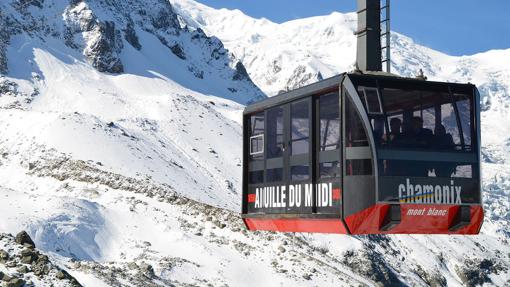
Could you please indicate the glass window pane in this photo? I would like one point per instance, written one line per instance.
(274, 175)
(300, 172)
(426, 120)
(300, 128)
(256, 145)
(329, 117)
(256, 177)
(355, 132)
(372, 102)
(449, 127)
(257, 136)
(257, 124)
(426, 169)
(275, 132)
(329, 169)
(359, 167)
(464, 108)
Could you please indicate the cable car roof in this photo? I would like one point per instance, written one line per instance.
(330, 84)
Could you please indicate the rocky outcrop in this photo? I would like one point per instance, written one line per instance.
(5, 35)
(476, 272)
(100, 40)
(104, 51)
(302, 77)
(101, 30)
(23, 238)
(25, 264)
(240, 73)
(131, 37)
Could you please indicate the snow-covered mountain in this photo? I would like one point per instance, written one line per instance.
(120, 155)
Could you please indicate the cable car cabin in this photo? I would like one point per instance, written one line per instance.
(364, 154)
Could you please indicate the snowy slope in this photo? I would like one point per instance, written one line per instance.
(120, 156)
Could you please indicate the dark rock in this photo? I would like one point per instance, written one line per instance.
(40, 266)
(371, 264)
(131, 37)
(476, 272)
(240, 73)
(23, 269)
(433, 279)
(22, 4)
(178, 51)
(61, 275)
(132, 266)
(28, 259)
(103, 52)
(1, 275)
(23, 238)
(31, 166)
(165, 18)
(16, 282)
(6, 278)
(4, 256)
(147, 270)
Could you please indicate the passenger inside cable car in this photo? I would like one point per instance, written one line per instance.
(421, 132)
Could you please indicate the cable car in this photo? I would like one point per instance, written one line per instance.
(365, 152)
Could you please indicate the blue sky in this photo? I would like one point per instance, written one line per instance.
(456, 27)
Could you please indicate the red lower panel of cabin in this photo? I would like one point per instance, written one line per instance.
(297, 225)
(414, 219)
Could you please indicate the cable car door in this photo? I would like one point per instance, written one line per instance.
(328, 171)
(298, 160)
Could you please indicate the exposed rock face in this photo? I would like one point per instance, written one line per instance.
(240, 73)
(103, 53)
(25, 264)
(370, 265)
(23, 238)
(5, 34)
(302, 77)
(131, 37)
(101, 31)
(102, 42)
(476, 272)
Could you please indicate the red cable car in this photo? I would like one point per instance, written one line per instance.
(364, 153)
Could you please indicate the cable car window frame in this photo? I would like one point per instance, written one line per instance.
(302, 159)
(261, 151)
(367, 102)
(328, 156)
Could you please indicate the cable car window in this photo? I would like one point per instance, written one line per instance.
(257, 145)
(359, 167)
(371, 99)
(257, 136)
(448, 128)
(274, 175)
(300, 122)
(354, 131)
(426, 120)
(329, 118)
(464, 108)
(274, 134)
(300, 172)
(329, 169)
(256, 177)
